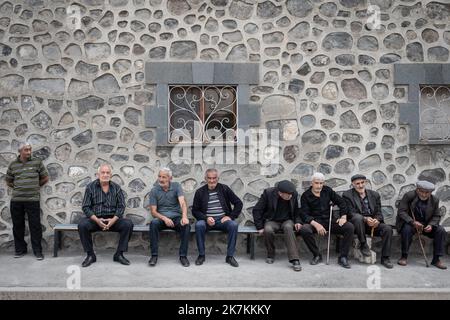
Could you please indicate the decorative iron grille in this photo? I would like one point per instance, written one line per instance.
(202, 114)
(434, 113)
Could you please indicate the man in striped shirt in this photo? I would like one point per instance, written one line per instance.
(25, 176)
(216, 207)
(104, 205)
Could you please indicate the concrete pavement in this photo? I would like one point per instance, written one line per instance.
(63, 278)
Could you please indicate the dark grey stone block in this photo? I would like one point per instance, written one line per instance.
(249, 115)
(236, 73)
(162, 137)
(433, 73)
(162, 94)
(409, 114)
(155, 116)
(168, 72)
(446, 73)
(243, 92)
(413, 92)
(202, 72)
(407, 73)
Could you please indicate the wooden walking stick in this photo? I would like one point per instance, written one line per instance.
(420, 240)
(329, 234)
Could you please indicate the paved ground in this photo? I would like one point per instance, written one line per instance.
(28, 278)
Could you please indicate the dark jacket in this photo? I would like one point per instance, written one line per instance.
(354, 205)
(226, 197)
(321, 214)
(266, 207)
(407, 205)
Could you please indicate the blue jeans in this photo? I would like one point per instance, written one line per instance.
(230, 227)
(157, 225)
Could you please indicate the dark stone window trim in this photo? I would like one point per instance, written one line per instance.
(414, 75)
(161, 74)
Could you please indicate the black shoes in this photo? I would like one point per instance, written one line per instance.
(19, 254)
(153, 260)
(39, 256)
(344, 262)
(121, 259)
(88, 261)
(387, 263)
(316, 260)
(270, 260)
(184, 261)
(365, 250)
(296, 265)
(231, 261)
(200, 260)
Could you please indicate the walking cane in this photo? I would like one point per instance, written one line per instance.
(329, 234)
(420, 241)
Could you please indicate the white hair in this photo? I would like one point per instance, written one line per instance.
(23, 145)
(318, 176)
(166, 170)
(104, 165)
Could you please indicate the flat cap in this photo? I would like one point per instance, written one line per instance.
(358, 176)
(286, 186)
(425, 185)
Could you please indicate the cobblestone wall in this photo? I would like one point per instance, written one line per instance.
(72, 83)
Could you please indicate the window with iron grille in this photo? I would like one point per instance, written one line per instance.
(202, 114)
(434, 113)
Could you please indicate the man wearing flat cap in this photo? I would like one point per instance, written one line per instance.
(277, 209)
(419, 212)
(364, 212)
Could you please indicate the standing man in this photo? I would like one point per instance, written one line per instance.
(25, 176)
(104, 205)
(277, 209)
(365, 214)
(169, 210)
(419, 212)
(216, 207)
(315, 212)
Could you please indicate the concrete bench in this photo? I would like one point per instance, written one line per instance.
(58, 229)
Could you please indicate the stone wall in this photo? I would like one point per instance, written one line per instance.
(75, 88)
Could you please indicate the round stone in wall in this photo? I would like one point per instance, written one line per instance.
(345, 166)
(299, 8)
(337, 40)
(314, 137)
(372, 161)
(354, 89)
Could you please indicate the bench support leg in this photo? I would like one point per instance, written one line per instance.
(252, 241)
(57, 242)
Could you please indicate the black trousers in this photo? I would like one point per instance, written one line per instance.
(383, 230)
(87, 226)
(307, 232)
(18, 211)
(438, 235)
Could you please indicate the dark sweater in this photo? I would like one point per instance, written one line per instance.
(226, 197)
(318, 209)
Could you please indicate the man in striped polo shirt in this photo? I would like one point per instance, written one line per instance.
(216, 207)
(25, 176)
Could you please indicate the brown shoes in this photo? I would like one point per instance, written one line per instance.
(439, 264)
(402, 261)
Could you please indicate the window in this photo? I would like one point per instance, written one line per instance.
(434, 113)
(202, 114)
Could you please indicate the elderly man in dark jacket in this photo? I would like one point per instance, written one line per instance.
(216, 207)
(277, 209)
(315, 212)
(364, 212)
(419, 212)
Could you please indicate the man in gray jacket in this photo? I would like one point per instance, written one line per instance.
(419, 212)
(364, 208)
